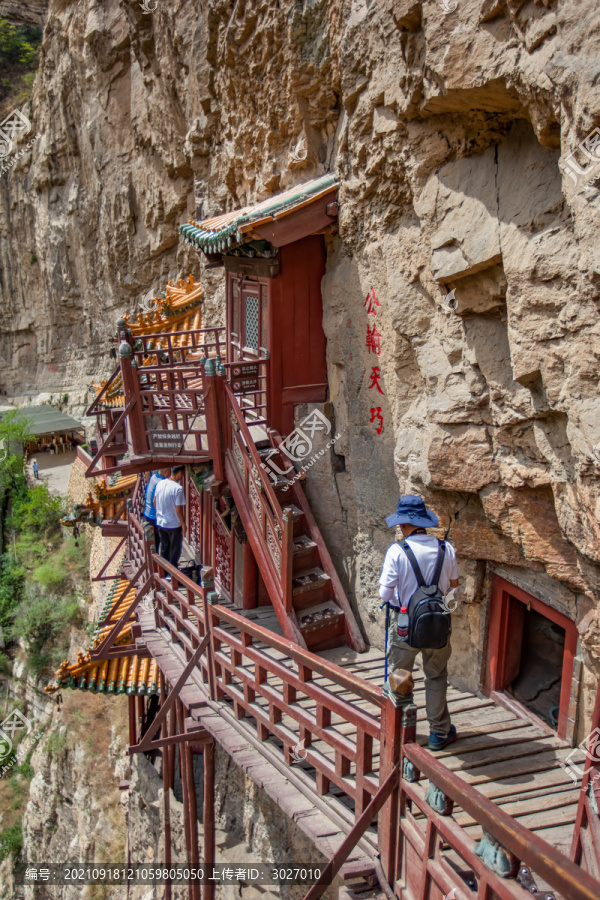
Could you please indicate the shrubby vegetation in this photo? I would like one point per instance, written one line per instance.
(19, 60)
(40, 571)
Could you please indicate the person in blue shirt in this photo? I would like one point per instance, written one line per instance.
(149, 511)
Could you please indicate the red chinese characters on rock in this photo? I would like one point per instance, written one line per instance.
(375, 376)
(376, 416)
(372, 304)
(373, 344)
(374, 340)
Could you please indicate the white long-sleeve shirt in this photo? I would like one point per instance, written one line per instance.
(398, 582)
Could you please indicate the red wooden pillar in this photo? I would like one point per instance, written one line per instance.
(209, 816)
(208, 585)
(287, 558)
(167, 785)
(136, 431)
(183, 771)
(223, 408)
(387, 831)
(140, 714)
(192, 811)
(249, 578)
(213, 422)
(132, 725)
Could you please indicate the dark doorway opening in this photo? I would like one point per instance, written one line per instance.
(539, 680)
(530, 654)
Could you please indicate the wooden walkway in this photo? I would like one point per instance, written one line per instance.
(510, 760)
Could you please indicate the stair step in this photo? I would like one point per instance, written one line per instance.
(303, 544)
(317, 617)
(310, 588)
(309, 581)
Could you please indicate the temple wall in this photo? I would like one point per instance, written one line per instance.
(446, 129)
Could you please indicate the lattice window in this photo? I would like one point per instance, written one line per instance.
(251, 321)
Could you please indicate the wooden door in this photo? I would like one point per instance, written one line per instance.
(247, 318)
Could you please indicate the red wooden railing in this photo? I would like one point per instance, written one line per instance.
(339, 737)
(291, 703)
(174, 348)
(424, 873)
(289, 700)
(269, 527)
(254, 404)
(585, 847)
(172, 399)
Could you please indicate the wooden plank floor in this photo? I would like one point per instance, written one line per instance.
(322, 823)
(511, 760)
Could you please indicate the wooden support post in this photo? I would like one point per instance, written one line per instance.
(208, 584)
(136, 430)
(183, 771)
(193, 813)
(132, 724)
(287, 558)
(213, 423)
(387, 831)
(223, 410)
(208, 892)
(249, 578)
(207, 504)
(167, 784)
(140, 714)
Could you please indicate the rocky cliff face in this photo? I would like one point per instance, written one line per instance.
(446, 123)
(30, 12)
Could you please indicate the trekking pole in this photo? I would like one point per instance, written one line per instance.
(387, 628)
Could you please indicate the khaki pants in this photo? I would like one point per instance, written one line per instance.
(435, 667)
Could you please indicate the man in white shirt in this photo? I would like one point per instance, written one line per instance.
(169, 503)
(397, 584)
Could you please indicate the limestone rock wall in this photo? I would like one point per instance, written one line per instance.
(24, 12)
(446, 127)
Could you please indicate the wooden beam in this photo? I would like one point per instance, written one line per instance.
(173, 695)
(183, 769)
(101, 576)
(191, 737)
(349, 843)
(208, 817)
(167, 783)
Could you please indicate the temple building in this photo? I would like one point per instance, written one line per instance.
(261, 648)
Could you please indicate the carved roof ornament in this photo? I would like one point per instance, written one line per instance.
(258, 230)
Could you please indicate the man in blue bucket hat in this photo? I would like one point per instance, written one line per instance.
(411, 569)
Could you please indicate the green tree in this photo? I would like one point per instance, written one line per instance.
(12, 581)
(36, 510)
(42, 622)
(19, 59)
(14, 432)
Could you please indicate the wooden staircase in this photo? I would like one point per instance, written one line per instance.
(289, 549)
(317, 595)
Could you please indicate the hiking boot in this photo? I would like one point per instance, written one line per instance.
(439, 741)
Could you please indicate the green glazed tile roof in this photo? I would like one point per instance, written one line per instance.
(223, 233)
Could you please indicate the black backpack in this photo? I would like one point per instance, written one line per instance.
(428, 618)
